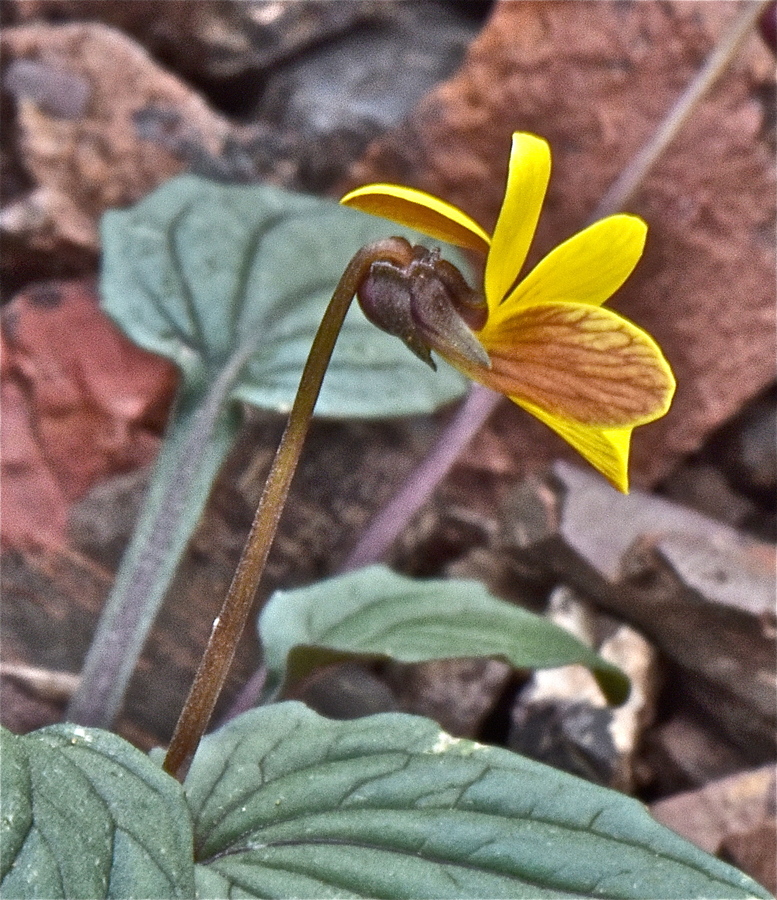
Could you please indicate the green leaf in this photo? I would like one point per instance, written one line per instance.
(376, 613)
(85, 814)
(289, 804)
(200, 271)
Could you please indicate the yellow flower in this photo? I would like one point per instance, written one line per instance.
(586, 372)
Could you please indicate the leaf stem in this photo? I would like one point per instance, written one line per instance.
(229, 624)
(197, 440)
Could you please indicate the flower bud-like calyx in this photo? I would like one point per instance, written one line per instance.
(426, 303)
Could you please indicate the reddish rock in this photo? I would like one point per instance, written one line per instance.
(84, 93)
(596, 79)
(80, 402)
(733, 817)
(754, 851)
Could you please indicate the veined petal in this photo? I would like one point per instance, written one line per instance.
(579, 362)
(527, 181)
(587, 268)
(607, 449)
(421, 211)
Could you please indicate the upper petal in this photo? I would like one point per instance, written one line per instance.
(607, 449)
(527, 181)
(587, 268)
(579, 362)
(419, 210)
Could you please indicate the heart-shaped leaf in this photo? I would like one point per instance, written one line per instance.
(85, 814)
(376, 613)
(211, 275)
(288, 804)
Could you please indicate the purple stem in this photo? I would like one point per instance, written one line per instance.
(386, 526)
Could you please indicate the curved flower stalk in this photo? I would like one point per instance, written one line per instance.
(544, 341)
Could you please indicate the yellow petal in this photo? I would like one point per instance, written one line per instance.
(579, 362)
(607, 449)
(421, 211)
(527, 181)
(587, 268)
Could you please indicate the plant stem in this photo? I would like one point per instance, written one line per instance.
(229, 624)
(390, 521)
(386, 526)
(197, 440)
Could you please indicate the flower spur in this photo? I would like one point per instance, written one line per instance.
(544, 341)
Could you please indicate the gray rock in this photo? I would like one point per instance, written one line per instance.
(331, 101)
(750, 449)
(685, 752)
(701, 591)
(561, 716)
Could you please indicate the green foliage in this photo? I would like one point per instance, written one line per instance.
(85, 814)
(375, 613)
(288, 804)
(212, 275)
(285, 803)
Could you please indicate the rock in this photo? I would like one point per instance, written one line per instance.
(702, 592)
(561, 717)
(101, 523)
(754, 851)
(457, 693)
(733, 817)
(767, 25)
(704, 487)
(81, 92)
(749, 449)
(345, 691)
(70, 418)
(734, 476)
(51, 598)
(24, 711)
(596, 80)
(26, 473)
(710, 608)
(686, 751)
(311, 82)
(214, 41)
(202, 41)
(503, 576)
(350, 88)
